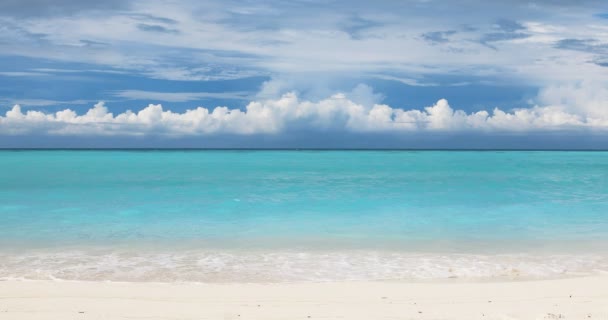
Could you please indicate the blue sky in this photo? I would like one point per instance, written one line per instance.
(307, 73)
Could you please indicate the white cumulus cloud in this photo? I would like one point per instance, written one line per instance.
(565, 109)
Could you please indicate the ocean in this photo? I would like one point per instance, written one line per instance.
(302, 215)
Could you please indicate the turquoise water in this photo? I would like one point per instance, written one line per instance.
(301, 215)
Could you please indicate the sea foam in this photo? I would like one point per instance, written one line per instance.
(292, 266)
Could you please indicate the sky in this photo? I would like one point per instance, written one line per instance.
(304, 74)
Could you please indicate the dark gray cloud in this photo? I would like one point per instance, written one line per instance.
(156, 28)
(27, 8)
(438, 37)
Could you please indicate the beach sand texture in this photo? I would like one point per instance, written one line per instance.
(574, 298)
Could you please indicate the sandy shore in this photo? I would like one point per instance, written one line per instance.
(580, 298)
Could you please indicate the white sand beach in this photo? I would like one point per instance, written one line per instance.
(575, 298)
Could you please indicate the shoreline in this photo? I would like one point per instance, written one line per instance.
(294, 267)
(415, 281)
(572, 298)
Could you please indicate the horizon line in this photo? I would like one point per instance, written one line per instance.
(292, 149)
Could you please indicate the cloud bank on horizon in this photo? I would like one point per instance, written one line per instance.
(335, 113)
(277, 67)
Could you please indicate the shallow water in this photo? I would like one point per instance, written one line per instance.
(302, 215)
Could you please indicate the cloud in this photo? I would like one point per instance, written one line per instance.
(57, 7)
(437, 37)
(155, 28)
(91, 43)
(354, 40)
(589, 46)
(507, 25)
(601, 63)
(148, 17)
(503, 36)
(347, 37)
(203, 72)
(584, 45)
(586, 99)
(22, 74)
(47, 102)
(14, 32)
(356, 26)
(504, 30)
(406, 81)
(568, 108)
(179, 96)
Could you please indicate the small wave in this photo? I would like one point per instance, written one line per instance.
(290, 266)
